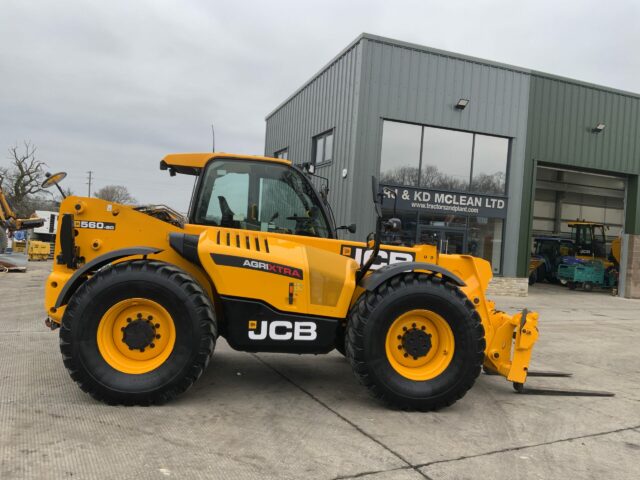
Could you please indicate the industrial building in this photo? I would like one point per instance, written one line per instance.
(482, 155)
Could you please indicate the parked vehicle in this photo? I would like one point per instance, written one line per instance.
(587, 275)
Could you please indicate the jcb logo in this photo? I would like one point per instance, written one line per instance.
(385, 257)
(282, 330)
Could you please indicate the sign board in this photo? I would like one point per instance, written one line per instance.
(445, 203)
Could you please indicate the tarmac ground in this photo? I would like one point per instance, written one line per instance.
(268, 416)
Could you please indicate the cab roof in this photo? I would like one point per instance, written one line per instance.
(192, 163)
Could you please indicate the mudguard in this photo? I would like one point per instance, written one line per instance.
(378, 277)
(97, 263)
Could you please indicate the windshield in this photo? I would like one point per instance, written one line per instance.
(264, 196)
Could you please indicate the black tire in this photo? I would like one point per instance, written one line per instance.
(373, 314)
(571, 285)
(587, 287)
(172, 288)
(4, 241)
(340, 340)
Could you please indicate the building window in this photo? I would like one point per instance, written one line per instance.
(446, 159)
(489, 164)
(323, 147)
(400, 154)
(284, 154)
(438, 158)
(438, 162)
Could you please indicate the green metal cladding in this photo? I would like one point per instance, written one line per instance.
(561, 116)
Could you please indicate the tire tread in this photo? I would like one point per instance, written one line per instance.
(360, 315)
(201, 360)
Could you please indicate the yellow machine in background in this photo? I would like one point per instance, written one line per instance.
(141, 294)
(591, 243)
(39, 251)
(534, 264)
(19, 246)
(9, 222)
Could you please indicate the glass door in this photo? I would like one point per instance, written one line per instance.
(454, 242)
(447, 240)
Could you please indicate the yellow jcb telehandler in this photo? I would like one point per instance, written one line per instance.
(141, 294)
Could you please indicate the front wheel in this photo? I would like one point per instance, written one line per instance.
(416, 342)
(138, 333)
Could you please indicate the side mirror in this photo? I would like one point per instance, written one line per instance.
(54, 179)
(350, 228)
(309, 167)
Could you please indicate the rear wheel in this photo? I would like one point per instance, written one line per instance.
(416, 342)
(138, 333)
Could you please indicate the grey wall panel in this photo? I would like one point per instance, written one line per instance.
(417, 85)
(329, 100)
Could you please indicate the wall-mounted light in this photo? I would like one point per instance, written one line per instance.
(462, 103)
(598, 128)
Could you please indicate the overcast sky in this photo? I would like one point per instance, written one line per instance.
(112, 86)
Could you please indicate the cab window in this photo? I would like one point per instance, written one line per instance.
(262, 196)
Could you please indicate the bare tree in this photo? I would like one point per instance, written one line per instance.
(4, 173)
(116, 194)
(23, 178)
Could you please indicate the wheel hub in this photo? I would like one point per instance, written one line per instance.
(416, 343)
(139, 333)
(419, 344)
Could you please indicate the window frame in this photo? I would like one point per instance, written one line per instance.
(198, 192)
(279, 153)
(314, 148)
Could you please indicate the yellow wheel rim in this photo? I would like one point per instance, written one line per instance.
(419, 345)
(136, 335)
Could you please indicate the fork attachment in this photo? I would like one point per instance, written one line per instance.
(548, 373)
(525, 390)
(509, 353)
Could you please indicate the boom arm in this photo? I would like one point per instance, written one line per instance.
(8, 217)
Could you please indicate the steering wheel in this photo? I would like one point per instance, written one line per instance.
(306, 225)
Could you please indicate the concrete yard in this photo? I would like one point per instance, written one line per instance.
(278, 416)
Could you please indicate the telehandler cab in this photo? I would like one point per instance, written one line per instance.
(141, 294)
